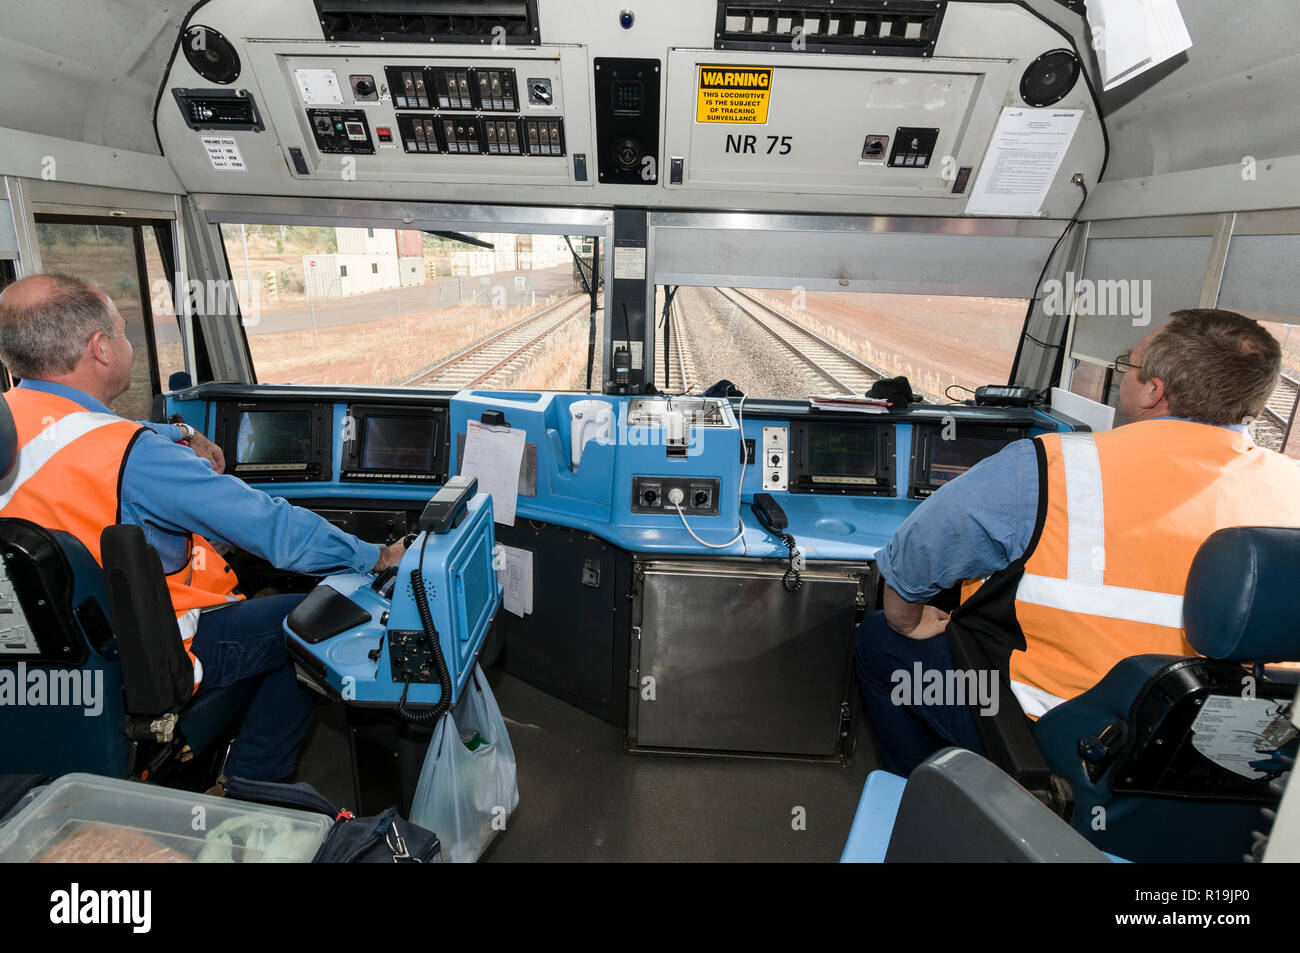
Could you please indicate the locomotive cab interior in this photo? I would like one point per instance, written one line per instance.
(593, 304)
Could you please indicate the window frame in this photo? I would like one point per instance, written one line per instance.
(137, 226)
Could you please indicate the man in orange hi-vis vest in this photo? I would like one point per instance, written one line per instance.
(81, 468)
(1072, 550)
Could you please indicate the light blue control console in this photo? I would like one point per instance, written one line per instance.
(365, 638)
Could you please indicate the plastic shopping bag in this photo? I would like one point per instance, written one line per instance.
(464, 795)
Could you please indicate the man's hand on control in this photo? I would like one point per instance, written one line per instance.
(209, 451)
(390, 555)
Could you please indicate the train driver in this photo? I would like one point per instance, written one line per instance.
(1073, 550)
(81, 468)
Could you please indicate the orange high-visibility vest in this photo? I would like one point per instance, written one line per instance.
(1124, 513)
(68, 477)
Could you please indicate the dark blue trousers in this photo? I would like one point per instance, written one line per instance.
(907, 734)
(246, 641)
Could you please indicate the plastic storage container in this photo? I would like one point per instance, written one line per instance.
(85, 818)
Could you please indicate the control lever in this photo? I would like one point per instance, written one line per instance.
(773, 518)
(383, 583)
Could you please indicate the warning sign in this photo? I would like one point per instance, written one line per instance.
(733, 94)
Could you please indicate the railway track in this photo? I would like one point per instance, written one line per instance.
(842, 370)
(477, 364)
(1272, 426)
(681, 376)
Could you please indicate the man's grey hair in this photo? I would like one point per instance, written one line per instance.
(1218, 367)
(46, 337)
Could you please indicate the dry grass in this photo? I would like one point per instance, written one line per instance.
(929, 384)
(376, 352)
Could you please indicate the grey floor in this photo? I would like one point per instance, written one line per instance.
(583, 797)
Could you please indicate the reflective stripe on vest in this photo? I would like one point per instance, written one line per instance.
(1084, 589)
(1124, 514)
(40, 450)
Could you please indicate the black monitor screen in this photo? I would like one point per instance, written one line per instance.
(273, 436)
(952, 458)
(842, 451)
(399, 443)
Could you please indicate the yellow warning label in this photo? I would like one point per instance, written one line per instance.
(733, 94)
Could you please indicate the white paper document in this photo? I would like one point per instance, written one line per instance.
(1232, 732)
(1096, 415)
(494, 455)
(517, 579)
(1022, 160)
(1131, 36)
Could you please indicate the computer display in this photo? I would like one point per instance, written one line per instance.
(273, 436)
(951, 458)
(399, 443)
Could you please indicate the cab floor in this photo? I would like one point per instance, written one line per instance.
(583, 797)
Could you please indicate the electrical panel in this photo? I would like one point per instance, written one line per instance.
(481, 135)
(481, 89)
(344, 131)
(651, 494)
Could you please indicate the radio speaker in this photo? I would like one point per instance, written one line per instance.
(211, 54)
(1050, 78)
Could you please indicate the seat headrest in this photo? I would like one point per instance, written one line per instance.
(1242, 600)
(8, 439)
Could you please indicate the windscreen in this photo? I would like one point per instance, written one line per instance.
(399, 443)
(273, 436)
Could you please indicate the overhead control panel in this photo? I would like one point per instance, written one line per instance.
(405, 112)
(887, 107)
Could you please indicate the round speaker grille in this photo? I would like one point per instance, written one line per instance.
(211, 54)
(1050, 78)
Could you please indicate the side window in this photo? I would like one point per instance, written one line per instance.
(111, 255)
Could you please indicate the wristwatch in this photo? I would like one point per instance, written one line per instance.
(187, 432)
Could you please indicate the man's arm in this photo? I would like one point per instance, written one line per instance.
(167, 486)
(203, 448)
(972, 527)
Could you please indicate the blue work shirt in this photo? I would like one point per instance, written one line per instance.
(973, 526)
(170, 492)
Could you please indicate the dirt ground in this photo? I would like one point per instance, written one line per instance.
(935, 340)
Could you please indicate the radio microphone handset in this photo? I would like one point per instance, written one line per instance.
(773, 518)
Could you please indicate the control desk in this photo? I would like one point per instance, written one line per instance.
(657, 475)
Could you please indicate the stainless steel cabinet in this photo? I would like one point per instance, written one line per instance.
(725, 659)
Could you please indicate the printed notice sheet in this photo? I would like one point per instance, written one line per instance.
(223, 153)
(517, 579)
(1131, 36)
(1022, 160)
(494, 455)
(1237, 734)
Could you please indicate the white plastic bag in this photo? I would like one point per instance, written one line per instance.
(465, 796)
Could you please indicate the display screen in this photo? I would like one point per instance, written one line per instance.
(842, 451)
(399, 443)
(952, 458)
(273, 436)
